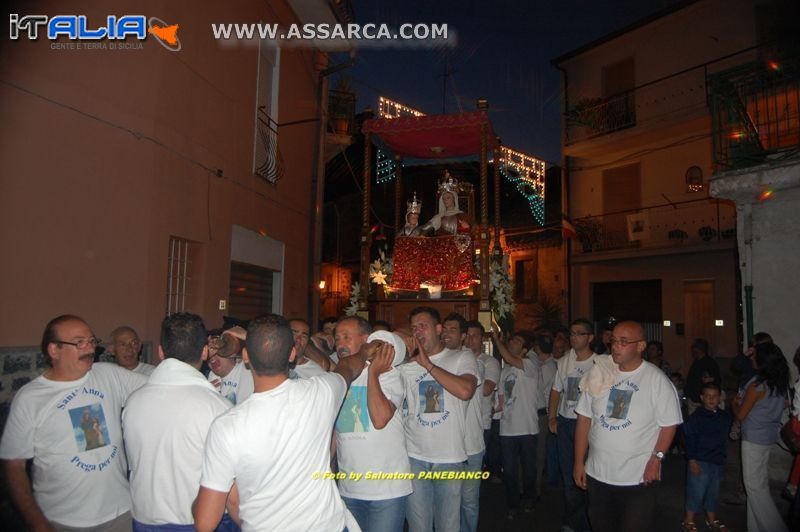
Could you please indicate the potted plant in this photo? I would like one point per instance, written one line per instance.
(588, 230)
(342, 106)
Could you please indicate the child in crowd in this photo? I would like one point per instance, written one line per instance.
(706, 438)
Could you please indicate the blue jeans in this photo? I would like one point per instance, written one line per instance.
(575, 501)
(516, 449)
(471, 495)
(378, 516)
(702, 491)
(225, 525)
(434, 501)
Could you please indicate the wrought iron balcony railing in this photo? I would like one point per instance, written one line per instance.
(755, 112)
(592, 117)
(341, 112)
(268, 162)
(690, 223)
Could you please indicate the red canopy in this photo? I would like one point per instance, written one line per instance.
(433, 136)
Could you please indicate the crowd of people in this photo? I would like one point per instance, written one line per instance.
(271, 426)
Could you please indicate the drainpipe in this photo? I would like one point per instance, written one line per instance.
(318, 183)
(747, 222)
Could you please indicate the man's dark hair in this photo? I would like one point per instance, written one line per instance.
(301, 320)
(183, 337)
(527, 339)
(49, 335)
(381, 323)
(562, 330)
(269, 344)
(701, 344)
(586, 324)
(475, 324)
(462, 323)
(363, 325)
(710, 386)
(432, 312)
(659, 346)
(324, 321)
(544, 343)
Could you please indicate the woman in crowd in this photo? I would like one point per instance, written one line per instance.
(759, 409)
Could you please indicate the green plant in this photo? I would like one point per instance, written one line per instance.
(588, 231)
(548, 312)
(586, 112)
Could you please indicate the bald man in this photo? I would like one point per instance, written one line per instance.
(627, 428)
(125, 346)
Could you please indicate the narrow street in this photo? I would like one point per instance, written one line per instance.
(547, 515)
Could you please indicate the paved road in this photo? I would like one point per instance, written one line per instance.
(546, 516)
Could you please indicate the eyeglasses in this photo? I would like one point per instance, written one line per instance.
(83, 343)
(624, 342)
(574, 334)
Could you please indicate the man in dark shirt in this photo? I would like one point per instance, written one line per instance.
(703, 366)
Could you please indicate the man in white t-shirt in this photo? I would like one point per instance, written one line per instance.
(125, 346)
(454, 332)
(562, 418)
(519, 426)
(546, 450)
(369, 436)
(68, 421)
(627, 423)
(276, 445)
(165, 424)
(439, 383)
(474, 342)
(229, 375)
(310, 362)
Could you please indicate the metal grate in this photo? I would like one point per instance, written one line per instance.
(177, 274)
(268, 163)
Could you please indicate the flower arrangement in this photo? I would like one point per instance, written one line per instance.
(501, 292)
(355, 293)
(380, 270)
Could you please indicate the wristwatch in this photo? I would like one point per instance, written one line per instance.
(659, 455)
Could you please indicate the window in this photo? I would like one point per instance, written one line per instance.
(267, 161)
(250, 291)
(526, 282)
(694, 179)
(181, 279)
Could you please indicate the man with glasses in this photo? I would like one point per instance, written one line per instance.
(79, 482)
(562, 418)
(125, 346)
(627, 428)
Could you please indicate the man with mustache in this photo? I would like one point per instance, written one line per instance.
(369, 433)
(73, 485)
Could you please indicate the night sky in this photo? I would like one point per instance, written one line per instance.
(503, 54)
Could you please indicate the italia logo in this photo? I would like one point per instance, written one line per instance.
(77, 28)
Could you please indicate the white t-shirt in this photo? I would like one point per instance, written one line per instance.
(361, 448)
(275, 445)
(306, 370)
(237, 385)
(72, 431)
(520, 389)
(547, 375)
(568, 376)
(165, 424)
(796, 402)
(626, 421)
(144, 369)
(474, 432)
(435, 426)
(492, 373)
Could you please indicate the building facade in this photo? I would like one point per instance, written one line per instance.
(652, 244)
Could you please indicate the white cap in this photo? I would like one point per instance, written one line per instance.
(395, 340)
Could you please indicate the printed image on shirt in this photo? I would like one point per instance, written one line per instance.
(231, 397)
(508, 389)
(572, 388)
(619, 401)
(89, 427)
(431, 397)
(354, 415)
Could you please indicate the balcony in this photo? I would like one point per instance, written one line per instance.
(756, 113)
(593, 117)
(661, 229)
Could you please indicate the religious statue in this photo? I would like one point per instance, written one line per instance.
(412, 228)
(450, 220)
